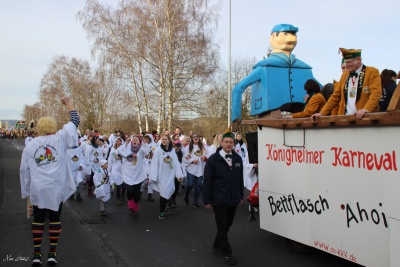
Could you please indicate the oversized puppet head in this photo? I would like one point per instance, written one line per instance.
(283, 38)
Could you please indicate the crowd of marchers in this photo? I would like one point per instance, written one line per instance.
(120, 165)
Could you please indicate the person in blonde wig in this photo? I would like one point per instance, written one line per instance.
(46, 178)
(46, 125)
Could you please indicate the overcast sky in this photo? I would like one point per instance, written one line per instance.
(33, 32)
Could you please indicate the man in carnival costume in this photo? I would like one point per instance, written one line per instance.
(359, 89)
(46, 178)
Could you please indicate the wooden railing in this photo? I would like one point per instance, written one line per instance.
(391, 117)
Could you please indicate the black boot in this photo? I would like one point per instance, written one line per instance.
(150, 198)
(78, 196)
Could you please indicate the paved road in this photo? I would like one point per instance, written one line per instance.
(184, 238)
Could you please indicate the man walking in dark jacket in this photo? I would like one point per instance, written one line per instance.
(223, 191)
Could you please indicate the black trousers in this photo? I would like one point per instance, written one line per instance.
(133, 192)
(39, 215)
(176, 189)
(163, 203)
(224, 216)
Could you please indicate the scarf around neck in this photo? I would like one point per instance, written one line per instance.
(136, 148)
(240, 142)
(166, 149)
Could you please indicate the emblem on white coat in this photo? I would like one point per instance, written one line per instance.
(45, 155)
(198, 153)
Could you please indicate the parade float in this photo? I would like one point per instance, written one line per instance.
(331, 183)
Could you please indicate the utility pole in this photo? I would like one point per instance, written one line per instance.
(229, 68)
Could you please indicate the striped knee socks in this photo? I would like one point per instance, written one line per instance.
(37, 232)
(54, 232)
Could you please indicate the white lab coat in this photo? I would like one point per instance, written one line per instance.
(249, 176)
(134, 170)
(44, 172)
(195, 169)
(75, 161)
(102, 182)
(28, 139)
(84, 146)
(115, 166)
(92, 158)
(149, 156)
(112, 139)
(163, 170)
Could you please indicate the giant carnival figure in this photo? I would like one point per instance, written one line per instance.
(277, 81)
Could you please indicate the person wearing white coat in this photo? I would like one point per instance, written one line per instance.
(28, 138)
(216, 144)
(194, 158)
(47, 179)
(249, 170)
(103, 184)
(134, 170)
(113, 137)
(115, 169)
(148, 183)
(93, 155)
(164, 168)
(76, 163)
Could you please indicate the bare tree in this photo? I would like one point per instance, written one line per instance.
(182, 51)
(216, 102)
(162, 50)
(89, 91)
(32, 113)
(113, 35)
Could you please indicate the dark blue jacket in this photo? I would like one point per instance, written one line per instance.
(387, 94)
(223, 184)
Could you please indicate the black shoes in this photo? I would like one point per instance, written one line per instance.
(36, 259)
(230, 260)
(52, 259)
(196, 206)
(171, 204)
(78, 197)
(187, 200)
(218, 251)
